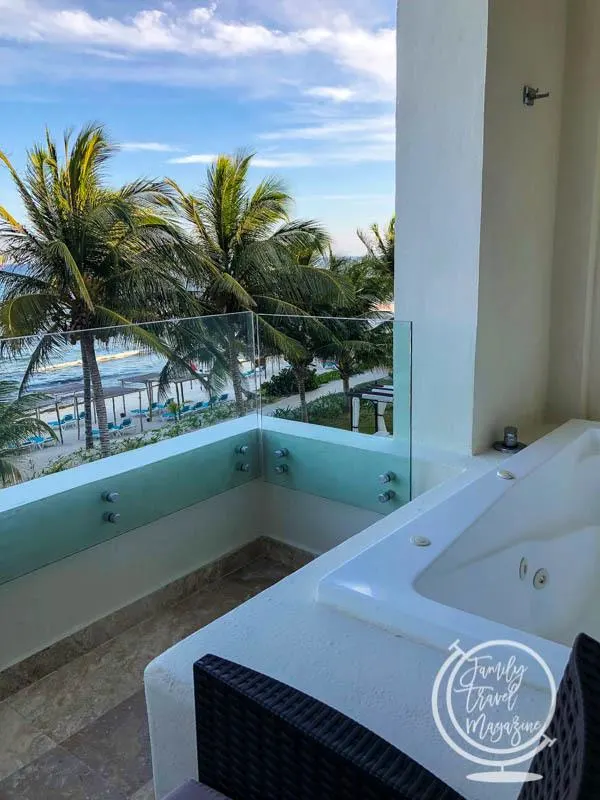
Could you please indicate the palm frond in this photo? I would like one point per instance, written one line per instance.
(61, 250)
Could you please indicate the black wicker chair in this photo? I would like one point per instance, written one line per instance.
(259, 739)
(571, 768)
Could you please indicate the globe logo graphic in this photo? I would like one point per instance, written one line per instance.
(478, 707)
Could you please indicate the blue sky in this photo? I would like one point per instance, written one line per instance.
(306, 84)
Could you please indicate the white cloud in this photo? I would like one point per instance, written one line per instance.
(378, 128)
(366, 54)
(350, 154)
(198, 158)
(284, 161)
(279, 161)
(148, 147)
(356, 140)
(155, 30)
(109, 55)
(339, 94)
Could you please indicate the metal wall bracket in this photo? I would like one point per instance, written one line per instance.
(530, 95)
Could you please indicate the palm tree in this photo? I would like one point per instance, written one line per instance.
(308, 334)
(17, 425)
(361, 335)
(87, 257)
(380, 245)
(246, 250)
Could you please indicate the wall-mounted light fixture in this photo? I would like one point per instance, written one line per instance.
(530, 95)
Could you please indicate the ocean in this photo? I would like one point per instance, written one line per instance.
(115, 364)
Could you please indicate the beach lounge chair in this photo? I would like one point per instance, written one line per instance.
(137, 411)
(40, 441)
(126, 423)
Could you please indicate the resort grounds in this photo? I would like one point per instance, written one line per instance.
(36, 461)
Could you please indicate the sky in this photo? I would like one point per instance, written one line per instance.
(308, 85)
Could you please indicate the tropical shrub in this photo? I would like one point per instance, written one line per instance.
(285, 384)
(327, 407)
(328, 377)
(17, 424)
(294, 414)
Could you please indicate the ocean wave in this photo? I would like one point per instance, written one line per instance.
(100, 359)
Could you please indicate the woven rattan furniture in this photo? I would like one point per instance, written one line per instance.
(259, 739)
(571, 767)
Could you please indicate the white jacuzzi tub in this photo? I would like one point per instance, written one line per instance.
(491, 542)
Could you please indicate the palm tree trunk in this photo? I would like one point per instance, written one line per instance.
(346, 388)
(99, 400)
(87, 398)
(234, 368)
(301, 381)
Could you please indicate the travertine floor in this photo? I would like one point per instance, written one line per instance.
(81, 733)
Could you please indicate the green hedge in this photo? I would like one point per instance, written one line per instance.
(333, 411)
(285, 384)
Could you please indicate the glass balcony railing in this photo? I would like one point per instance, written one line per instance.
(328, 371)
(313, 405)
(72, 398)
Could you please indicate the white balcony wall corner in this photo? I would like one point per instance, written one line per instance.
(574, 377)
(311, 523)
(442, 46)
(526, 44)
(477, 177)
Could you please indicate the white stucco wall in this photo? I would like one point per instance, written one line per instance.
(526, 42)
(441, 81)
(477, 177)
(574, 378)
(311, 523)
(51, 603)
